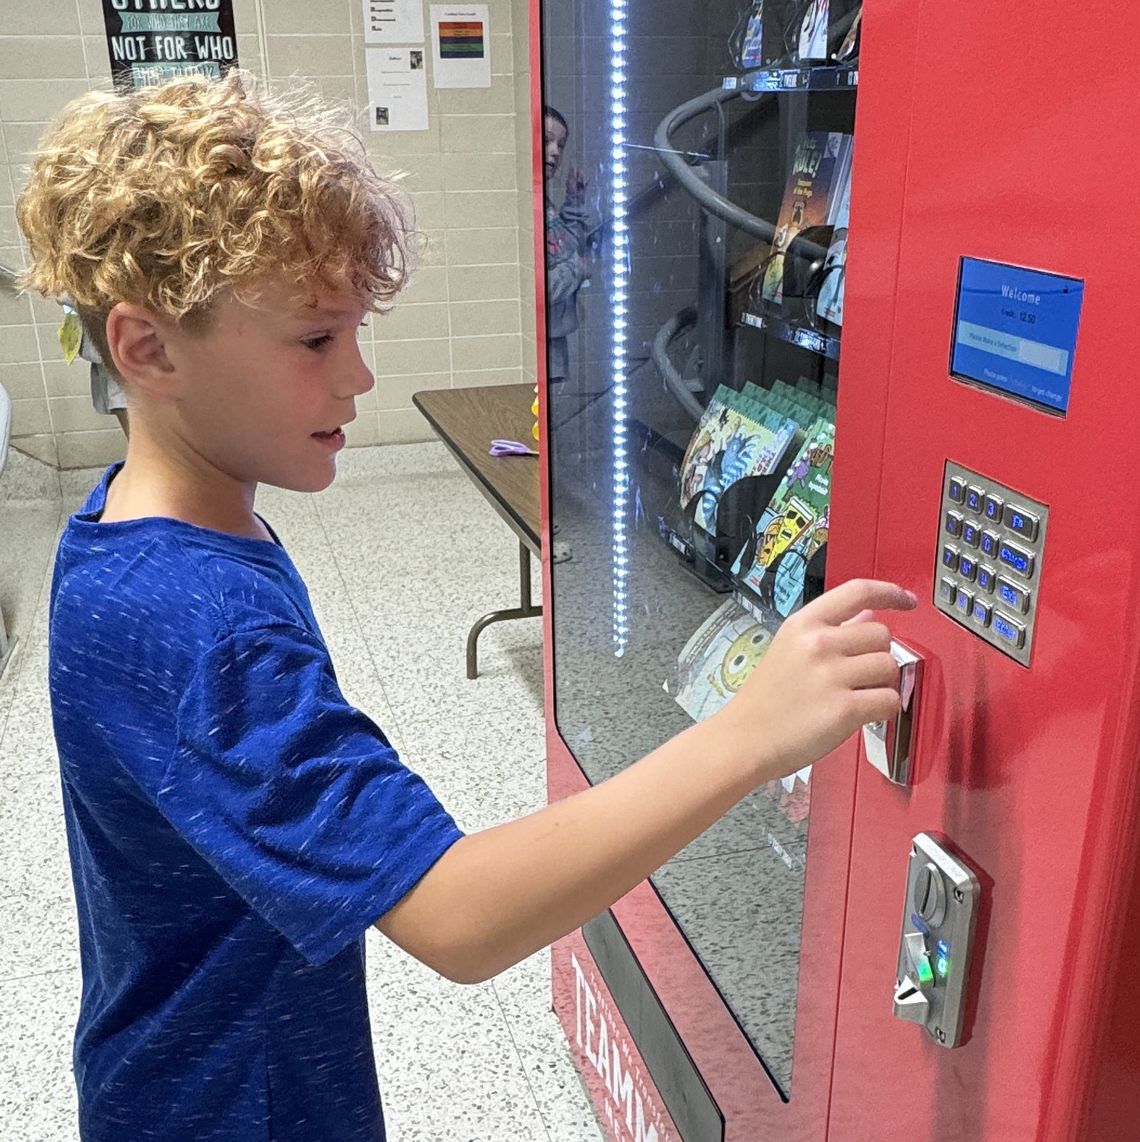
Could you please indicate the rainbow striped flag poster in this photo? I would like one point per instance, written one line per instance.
(460, 40)
(461, 45)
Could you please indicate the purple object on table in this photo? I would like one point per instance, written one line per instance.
(511, 448)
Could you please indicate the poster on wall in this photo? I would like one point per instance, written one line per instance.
(393, 22)
(461, 45)
(150, 42)
(397, 89)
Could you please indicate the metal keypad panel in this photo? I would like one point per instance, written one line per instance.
(991, 541)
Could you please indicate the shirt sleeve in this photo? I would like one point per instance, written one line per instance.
(293, 796)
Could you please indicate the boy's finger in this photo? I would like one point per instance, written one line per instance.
(875, 671)
(863, 638)
(874, 705)
(861, 617)
(845, 602)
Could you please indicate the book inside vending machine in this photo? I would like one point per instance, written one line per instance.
(836, 290)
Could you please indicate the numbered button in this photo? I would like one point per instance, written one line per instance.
(992, 509)
(1013, 596)
(986, 579)
(990, 544)
(983, 612)
(950, 558)
(967, 568)
(964, 602)
(1009, 631)
(1023, 522)
(956, 489)
(947, 590)
(1016, 558)
(953, 525)
(974, 498)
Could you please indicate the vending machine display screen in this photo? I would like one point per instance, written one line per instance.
(1015, 331)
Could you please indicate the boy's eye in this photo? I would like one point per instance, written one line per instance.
(317, 343)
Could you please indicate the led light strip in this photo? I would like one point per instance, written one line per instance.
(620, 298)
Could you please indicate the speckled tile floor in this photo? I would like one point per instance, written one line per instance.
(401, 555)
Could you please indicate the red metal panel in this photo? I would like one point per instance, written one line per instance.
(629, 1107)
(1017, 152)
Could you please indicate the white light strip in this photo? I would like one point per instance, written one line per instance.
(619, 300)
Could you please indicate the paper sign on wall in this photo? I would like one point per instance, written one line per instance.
(461, 45)
(397, 89)
(150, 47)
(393, 22)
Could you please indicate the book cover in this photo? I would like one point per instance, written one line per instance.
(752, 45)
(829, 304)
(767, 39)
(717, 659)
(793, 526)
(732, 441)
(813, 31)
(810, 198)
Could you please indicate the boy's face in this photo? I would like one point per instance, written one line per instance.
(267, 387)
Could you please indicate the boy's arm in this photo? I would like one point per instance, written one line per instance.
(497, 896)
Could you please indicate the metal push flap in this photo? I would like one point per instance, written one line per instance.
(890, 744)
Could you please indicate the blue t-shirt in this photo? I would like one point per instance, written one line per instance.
(235, 826)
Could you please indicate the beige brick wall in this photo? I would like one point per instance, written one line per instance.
(466, 319)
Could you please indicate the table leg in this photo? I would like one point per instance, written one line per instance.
(526, 610)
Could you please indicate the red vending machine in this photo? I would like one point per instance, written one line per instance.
(837, 289)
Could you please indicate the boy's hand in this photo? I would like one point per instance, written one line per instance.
(827, 672)
(576, 182)
(501, 894)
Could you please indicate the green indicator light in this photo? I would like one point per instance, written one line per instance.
(943, 967)
(925, 975)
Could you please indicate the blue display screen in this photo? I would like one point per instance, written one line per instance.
(1015, 331)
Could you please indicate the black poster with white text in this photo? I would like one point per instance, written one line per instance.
(152, 41)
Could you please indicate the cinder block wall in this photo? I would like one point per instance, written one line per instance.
(467, 318)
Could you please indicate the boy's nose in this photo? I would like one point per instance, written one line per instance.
(361, 380)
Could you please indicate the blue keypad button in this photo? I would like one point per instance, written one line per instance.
(992, 509)
(986, 579)
(953, 524)
(989, 543)
(967, 568)
(1008, 631)
(974, 498)
(947, 589)
(982, 612)
(1023, 522)
(971, 533)
(956, 489)
(1016, 559)
(950, 558)
(1013, 596)
(964, 602)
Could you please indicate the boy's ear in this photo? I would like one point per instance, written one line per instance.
(137, 340)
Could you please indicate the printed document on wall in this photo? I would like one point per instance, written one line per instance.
(461, 45)
(397, 89)
(393, 21)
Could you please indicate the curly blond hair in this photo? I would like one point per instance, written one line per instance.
(167, 196)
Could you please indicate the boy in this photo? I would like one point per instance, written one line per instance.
(234, 825)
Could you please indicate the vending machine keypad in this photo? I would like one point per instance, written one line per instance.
(991, 542)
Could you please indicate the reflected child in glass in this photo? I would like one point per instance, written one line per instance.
(568, 229)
